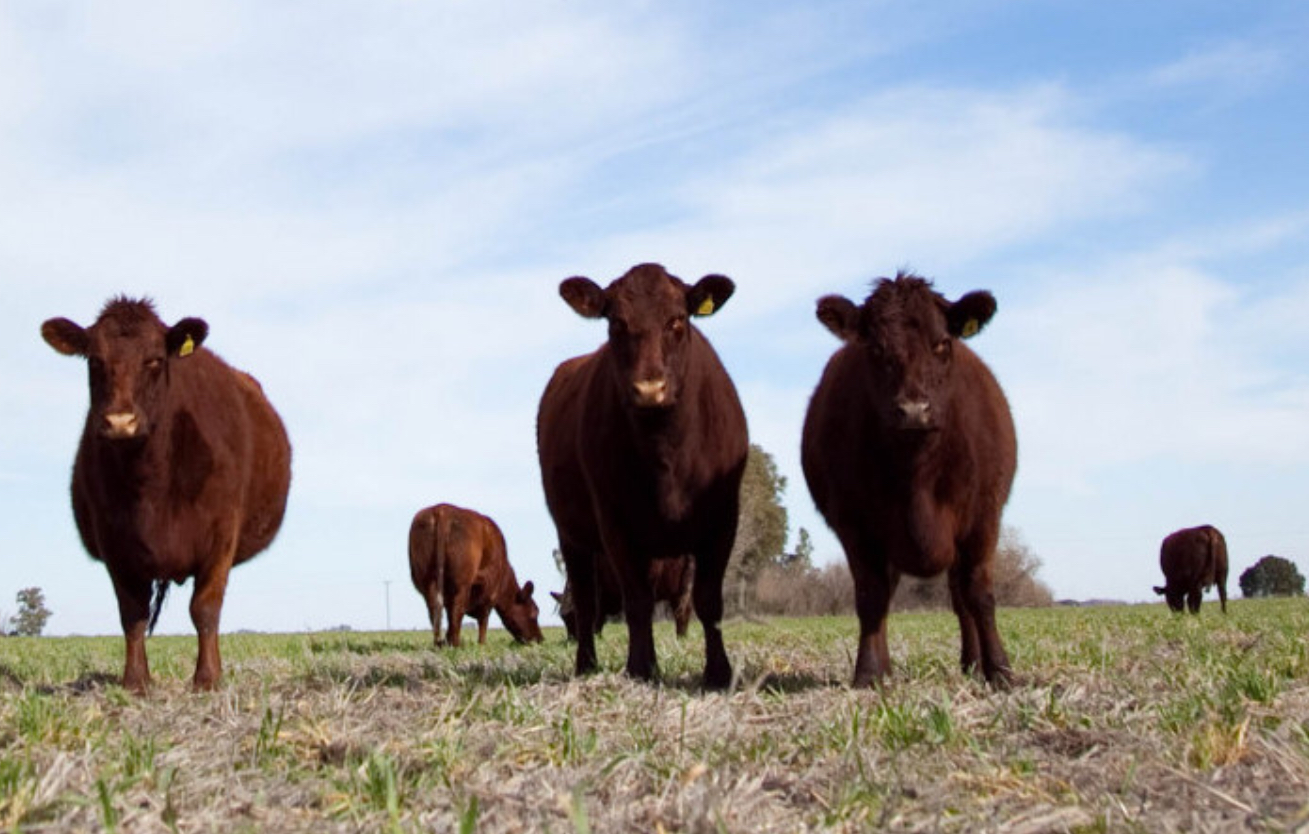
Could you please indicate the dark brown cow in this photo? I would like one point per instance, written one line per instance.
(457, 558)
(642, 446)
(909, 452)
(1192, 560)
(671, 581)
(182, 471)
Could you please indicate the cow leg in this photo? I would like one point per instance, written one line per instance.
(979, 601)
(458, 607)
(1222, 594)
(1193, 600)
(638, 610)
(707, 596)
(435, 604)
(206, 608)
(482, 618)
(874, 583)
(581, 567)
(134, 613)
(970, 653)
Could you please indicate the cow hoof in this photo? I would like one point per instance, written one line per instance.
(718, 680)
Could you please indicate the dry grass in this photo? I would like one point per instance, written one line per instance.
(1125, 719)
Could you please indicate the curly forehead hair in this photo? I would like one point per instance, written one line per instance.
(129, 313)
(891, 298)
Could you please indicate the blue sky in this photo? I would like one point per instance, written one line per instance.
(373, 205)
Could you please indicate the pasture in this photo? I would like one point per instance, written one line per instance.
(1123, 719)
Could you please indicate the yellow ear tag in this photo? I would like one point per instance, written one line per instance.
(706, 307)
(970, 329)
(187, 348)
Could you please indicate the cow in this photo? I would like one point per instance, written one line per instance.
(671, 581)
(642, 445)
(182, 470)
(1192, 560)
(458, 560)
(909, 452)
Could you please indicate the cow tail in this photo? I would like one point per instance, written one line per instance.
(423, 543)
(157, 606)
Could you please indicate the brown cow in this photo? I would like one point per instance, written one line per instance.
(1192, 560)
(642, 446)
(182, 471)
(671, 581)
(458, 557)
(909, 452)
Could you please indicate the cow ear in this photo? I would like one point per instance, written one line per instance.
(185, 336)
(67, 337)
(585, 297)
(1159, 590)
(708, 294)
(970, 314)
(839, 315)
(558, 597)
(528, 589)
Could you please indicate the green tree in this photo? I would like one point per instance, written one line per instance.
(1272, 576)
(32, 613)
(761, 530)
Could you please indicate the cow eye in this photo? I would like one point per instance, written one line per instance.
(942, 348)
(154, 364)
(676, 328)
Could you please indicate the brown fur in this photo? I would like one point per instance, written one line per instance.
(1192, 560)
(909, 452)
(457, 558)
(642, 446)
(671, 581)
(182, 471)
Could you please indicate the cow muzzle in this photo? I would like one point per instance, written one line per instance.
(120, 426)
(649, 393)
(914, 414)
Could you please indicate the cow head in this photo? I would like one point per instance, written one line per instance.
(129, 352)
(1176, 599)
(567, 612)
(649, 315)
(907, 332)
(520, 616)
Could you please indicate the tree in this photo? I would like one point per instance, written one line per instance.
(32, 613)
(1272, 576)
(761, 529)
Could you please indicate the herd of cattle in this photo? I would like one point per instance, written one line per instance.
(908, 450)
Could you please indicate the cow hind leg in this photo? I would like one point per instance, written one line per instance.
(1193, 600)
(134, 613)
(458, 607)
(435, 605)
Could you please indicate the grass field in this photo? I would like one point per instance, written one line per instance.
(1123, 719)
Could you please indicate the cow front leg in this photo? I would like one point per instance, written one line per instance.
(707, 598)
(970, 652)
(979, 600)
(874, 583)
(134, 613)
(206, 609)
(638, 610)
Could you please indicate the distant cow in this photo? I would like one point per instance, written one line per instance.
(182, 471)
(642, 446)
(671, 581)
(457, 559)
(909, 452)
(1192, 560)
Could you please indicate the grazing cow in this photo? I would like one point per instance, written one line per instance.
(1192, 560)
(909, 452)
(670, 581)
(642, 446)
(457, 558)
(182, 470)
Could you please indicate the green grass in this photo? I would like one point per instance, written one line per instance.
(1122, 719)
